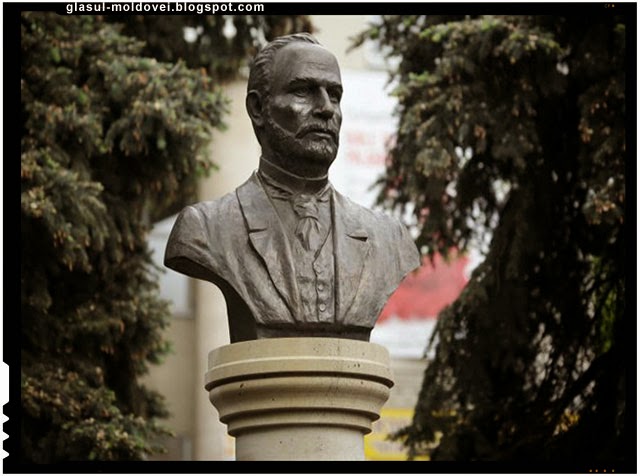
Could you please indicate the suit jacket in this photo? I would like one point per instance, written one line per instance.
(238, 243)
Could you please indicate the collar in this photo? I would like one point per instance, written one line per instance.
(293, 183)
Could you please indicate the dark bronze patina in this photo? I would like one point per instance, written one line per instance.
(292, 256)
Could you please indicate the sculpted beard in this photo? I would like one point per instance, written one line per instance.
(292, 150)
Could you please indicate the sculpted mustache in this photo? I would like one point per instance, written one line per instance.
(325, 130)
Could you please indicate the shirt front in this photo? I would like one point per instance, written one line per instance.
(315, 267)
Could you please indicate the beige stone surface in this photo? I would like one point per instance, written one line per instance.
(299, 398)
(304, 443)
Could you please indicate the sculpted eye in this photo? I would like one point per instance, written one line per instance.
(302, 91)
(335, 95)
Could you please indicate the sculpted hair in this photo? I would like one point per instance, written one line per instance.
(262, 65)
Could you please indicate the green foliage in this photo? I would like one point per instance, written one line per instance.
(84, 414)
(110, 139)
(513, 128)
(220, 44)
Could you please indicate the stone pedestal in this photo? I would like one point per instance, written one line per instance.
(309, 398)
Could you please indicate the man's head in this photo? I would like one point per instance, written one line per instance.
(293, 99)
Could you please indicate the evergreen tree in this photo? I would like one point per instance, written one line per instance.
(112, 140)
(221, 44)
(513, 127)
(218, 45)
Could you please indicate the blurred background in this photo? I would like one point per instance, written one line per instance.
(501, 141)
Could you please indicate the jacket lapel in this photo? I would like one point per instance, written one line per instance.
(352, 246)
(268, 239)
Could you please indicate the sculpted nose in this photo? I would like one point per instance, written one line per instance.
(324, 108)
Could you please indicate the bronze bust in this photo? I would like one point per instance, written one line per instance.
(292, 256)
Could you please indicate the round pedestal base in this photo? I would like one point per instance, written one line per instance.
(302, 443)
(299, 398)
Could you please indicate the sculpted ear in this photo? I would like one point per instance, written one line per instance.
(255, 108)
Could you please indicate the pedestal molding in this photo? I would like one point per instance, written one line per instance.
(268, 391)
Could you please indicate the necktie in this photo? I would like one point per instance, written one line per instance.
(309, 230)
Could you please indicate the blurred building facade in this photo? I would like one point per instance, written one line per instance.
(200, 322)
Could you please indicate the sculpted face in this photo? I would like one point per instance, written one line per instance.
(302, 114)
